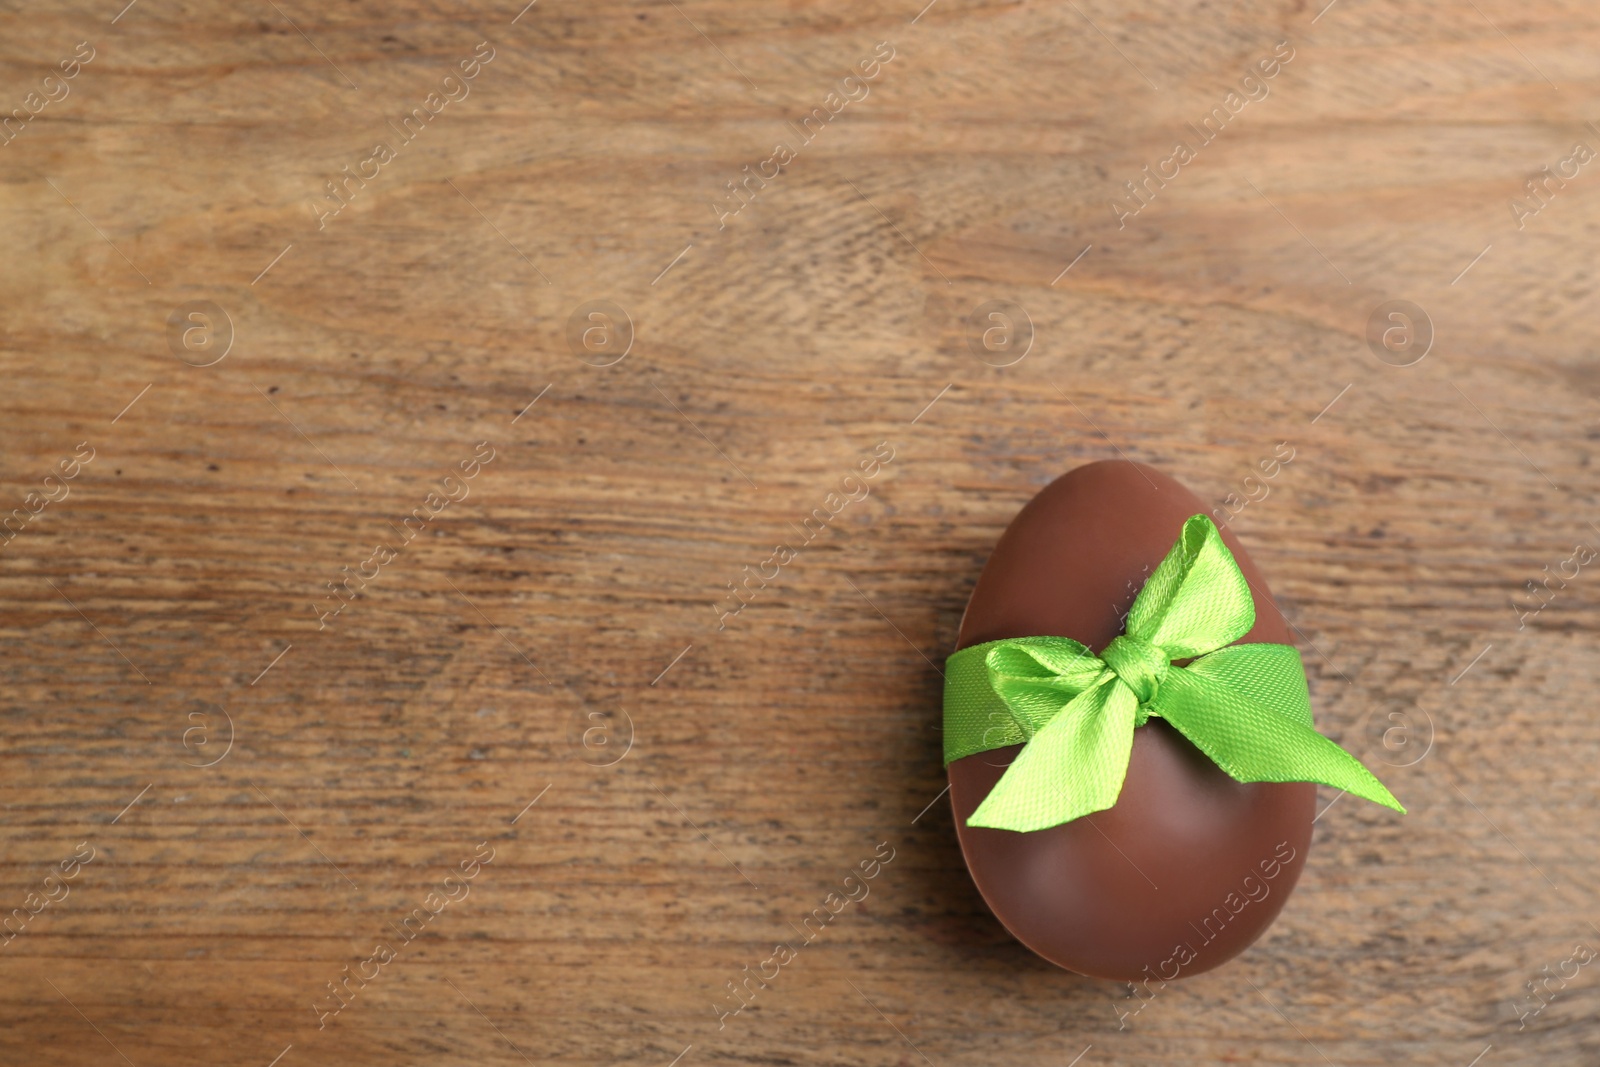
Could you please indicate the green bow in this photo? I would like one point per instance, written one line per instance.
(1244, 706)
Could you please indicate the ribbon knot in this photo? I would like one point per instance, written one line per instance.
(1245, 706)
(1140, 665)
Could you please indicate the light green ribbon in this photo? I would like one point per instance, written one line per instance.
(1245, 706)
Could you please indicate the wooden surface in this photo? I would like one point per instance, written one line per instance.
(566, 612)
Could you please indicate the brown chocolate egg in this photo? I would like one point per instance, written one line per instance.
(1189, 867)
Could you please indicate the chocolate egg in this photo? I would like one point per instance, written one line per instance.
(1189, 867)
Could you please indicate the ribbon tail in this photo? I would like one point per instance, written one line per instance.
(1072, 767)
(1249, 713)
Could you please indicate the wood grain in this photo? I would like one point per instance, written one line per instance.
(568, 610)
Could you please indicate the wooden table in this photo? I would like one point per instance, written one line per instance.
(255, 384)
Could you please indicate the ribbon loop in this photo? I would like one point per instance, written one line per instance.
(1197, 600)
(1245, 706)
